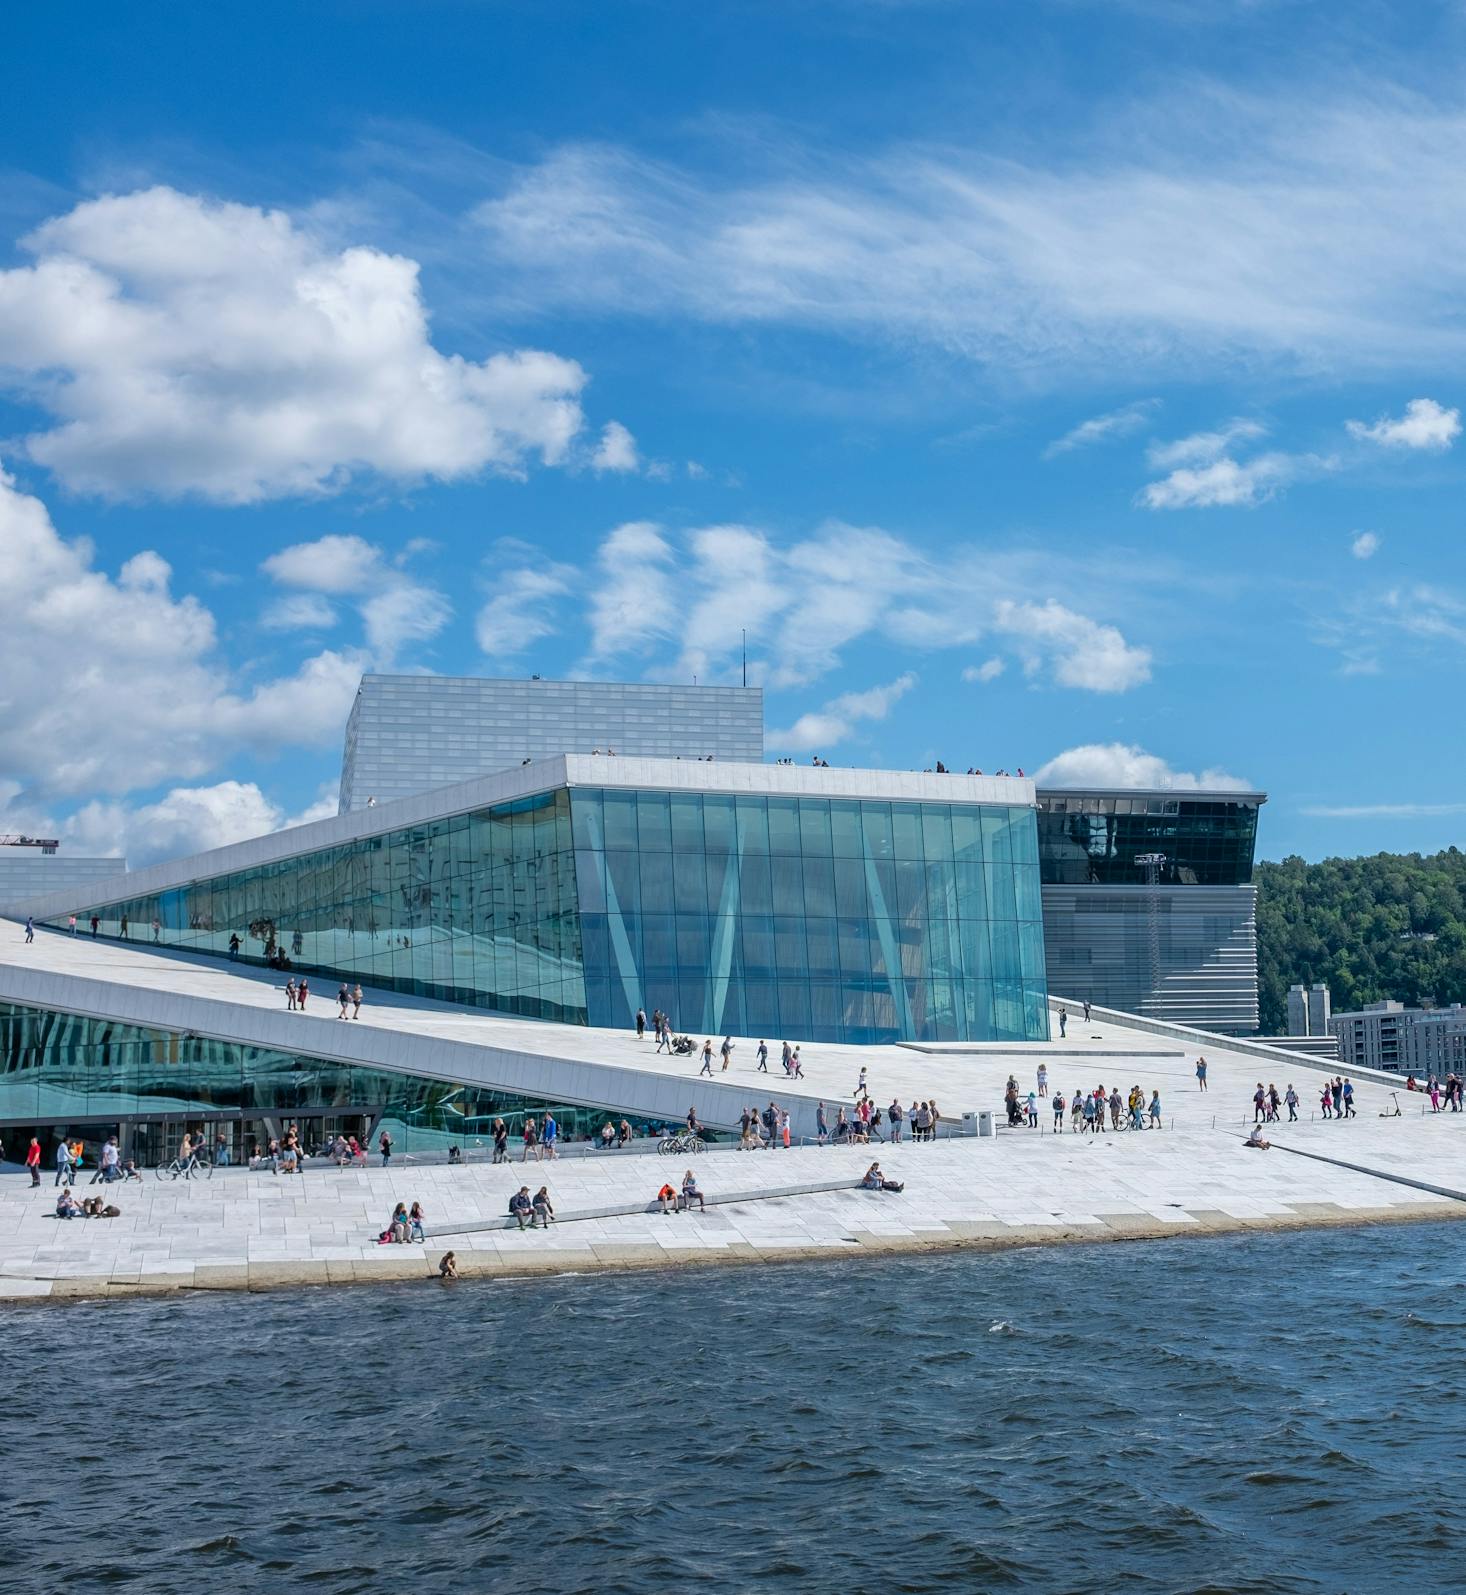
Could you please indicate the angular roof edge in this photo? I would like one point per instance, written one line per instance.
(529, 780)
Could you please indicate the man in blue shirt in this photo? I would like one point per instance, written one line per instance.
(548, 1134)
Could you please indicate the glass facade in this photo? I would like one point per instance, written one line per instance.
(1091, 838)
(478, 909)
(796, 918)
(836, 919)
(65, 1070)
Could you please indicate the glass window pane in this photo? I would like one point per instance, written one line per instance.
(814, 827)
(845, 836)
(783, 826)
(653, 822)
(686, 823)
(906, 829)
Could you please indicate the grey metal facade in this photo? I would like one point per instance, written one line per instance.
(28, 872)
(1185, 954)
(410, 734)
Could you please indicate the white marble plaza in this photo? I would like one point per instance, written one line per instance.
(244, 1230)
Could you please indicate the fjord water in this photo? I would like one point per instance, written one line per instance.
(1267, 1413)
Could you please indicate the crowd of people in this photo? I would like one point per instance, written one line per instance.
(1086, 1110)
(1435, 1088)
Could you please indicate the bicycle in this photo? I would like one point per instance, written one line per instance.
(193, 1167)
(684, 1145)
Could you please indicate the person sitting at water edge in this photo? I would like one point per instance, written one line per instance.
(668, 1198)
(1255, 1138)
(690, 1192)
(874, 1180)
(521, 1207)
(448, 1266)
(544, 1213)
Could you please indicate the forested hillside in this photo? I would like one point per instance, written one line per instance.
(1393, 925)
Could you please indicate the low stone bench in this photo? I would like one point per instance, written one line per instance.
(631, 1209)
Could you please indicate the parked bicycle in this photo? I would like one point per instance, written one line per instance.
(192, 1167)
(685, 1144)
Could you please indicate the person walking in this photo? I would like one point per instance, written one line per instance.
(785, 1056)
(548, 1136)
(821, 1124)
(343, 997)
(233, 942)
(1086, 1010)
(65, 1175)
(1290, 1096)
(770, 1117)
(1326, 1101)
(861, 1090)
(123, 928)
(1058, 1113)
(302, 991)
(33, 1161)
(641, 1024)
(784, 1126)
(107, 1169)
(530, 1136)
(157, 930)
(72, 924)
(727, 1051)
(1349, 1100)
(290, 994)
(763, 1057)
(30, 930)
(356, 1001)
(707, 1059)
(796, 1068)
(501, 1141)
(97, 925)
(1155, 1110)
(664, 1039)
(1063, 1022)
(384, 1146)
(1201, 1074)
(1043, 1079)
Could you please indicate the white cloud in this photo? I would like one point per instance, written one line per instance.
(401, 613)
(395, 610)
(1365, 545)
(183, 346)
(184, 820)
(1119, 423)
(633, 604)
(109, 686)
(1122, 764)
(988, 670)
(298, 612)
(838, 719)
(332, 564)
(1424, 425)
(616, 451)
(1204, 226)
(1080, 652)
(1202, 447)
(521, 610)
(804, 602)
(1226, 482)
(1384, 811)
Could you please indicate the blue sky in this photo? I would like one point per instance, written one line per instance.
(1063, 385)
